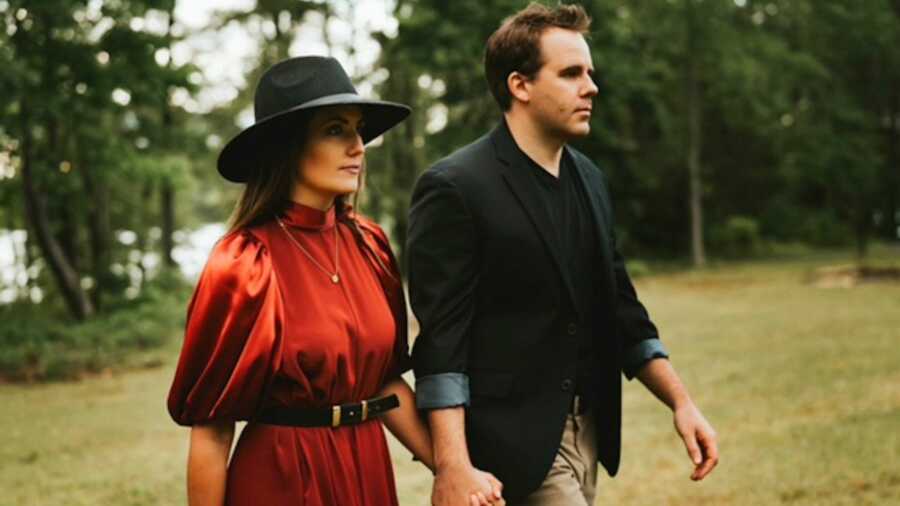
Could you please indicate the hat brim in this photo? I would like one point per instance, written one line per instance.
(238, 157)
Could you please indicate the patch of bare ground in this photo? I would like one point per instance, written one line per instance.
(848, 276)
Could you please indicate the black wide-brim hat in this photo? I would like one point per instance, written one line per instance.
(291, 87)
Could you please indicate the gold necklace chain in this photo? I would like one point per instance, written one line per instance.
(335, 277)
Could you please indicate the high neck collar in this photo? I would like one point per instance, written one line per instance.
(309, 218)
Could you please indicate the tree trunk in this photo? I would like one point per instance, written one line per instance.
(28, 250)
(167, 199)
(326, 37)
(140, 228)
(17, 260)
(409, 160)
(863, 224)
(66, 276)
(98, 231)
(67, 234)
(167, 190)
(893, 199)
(694, 140)
(892, 179)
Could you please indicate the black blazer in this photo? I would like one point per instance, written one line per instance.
(494, 305)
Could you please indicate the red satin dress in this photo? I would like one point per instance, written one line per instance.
(266, 327)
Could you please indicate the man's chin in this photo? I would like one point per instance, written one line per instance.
(579, 130)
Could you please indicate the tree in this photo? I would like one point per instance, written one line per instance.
(82, 96)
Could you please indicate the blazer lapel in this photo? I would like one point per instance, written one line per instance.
(520, 182)
(589, 187)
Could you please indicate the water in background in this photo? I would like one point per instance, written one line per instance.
(191, 250)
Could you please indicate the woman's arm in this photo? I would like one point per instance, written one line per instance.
(405, 424)
(208, 463)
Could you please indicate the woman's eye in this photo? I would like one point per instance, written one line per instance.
(360, 126)
(334, 130)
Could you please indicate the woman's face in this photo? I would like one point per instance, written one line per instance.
(331, 160)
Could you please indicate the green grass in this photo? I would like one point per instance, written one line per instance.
(802, 384)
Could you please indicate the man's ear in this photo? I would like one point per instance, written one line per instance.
(518, 86)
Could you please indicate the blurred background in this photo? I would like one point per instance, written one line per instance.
(753, 152)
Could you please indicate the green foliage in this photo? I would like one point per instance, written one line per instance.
(821, 228)
(638, 268)
(799, 140)
(738, 236)
(798, 98)
(131, 333)
(93, 143)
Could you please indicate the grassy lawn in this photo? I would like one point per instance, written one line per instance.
(802, 384)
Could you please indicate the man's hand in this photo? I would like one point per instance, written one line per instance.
(463, 485)
(698, 435)
(699, 439)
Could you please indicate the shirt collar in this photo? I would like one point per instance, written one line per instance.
(309, 218)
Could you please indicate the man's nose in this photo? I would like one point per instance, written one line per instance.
(591, 89)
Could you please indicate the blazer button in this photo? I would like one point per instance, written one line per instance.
(566, 385)
(572, 329)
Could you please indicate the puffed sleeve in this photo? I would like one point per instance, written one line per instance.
(232, 341)
(388, 271)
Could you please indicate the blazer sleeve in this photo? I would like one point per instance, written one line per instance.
(232, 341)
(640, 338)
(443, 276)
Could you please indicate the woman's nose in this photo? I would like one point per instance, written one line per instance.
(357, 147)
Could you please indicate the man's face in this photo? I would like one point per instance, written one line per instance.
(561, 93)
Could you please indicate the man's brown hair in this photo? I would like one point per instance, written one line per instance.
(516, 45)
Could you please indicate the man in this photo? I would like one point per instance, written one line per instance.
(527, 315)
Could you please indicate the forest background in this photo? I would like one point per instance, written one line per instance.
(730, 131)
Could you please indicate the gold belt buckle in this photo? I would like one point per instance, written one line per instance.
(336, 416)
(365, 410)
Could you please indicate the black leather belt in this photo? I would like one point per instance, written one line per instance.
(333, 416)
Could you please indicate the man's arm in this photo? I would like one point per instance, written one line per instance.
(443, 275)
(640, 339)
(698, 435)
(646, 358)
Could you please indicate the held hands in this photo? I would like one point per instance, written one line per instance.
(464, 485)
(699, 439)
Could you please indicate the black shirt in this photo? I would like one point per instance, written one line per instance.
(566, 204)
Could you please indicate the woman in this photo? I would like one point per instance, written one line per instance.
(298, 323)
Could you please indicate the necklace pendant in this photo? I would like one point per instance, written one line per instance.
(335, 279)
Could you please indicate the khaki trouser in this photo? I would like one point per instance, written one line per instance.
(572, 479)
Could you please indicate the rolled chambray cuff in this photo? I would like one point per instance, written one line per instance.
(635, 357)
(445, 390)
